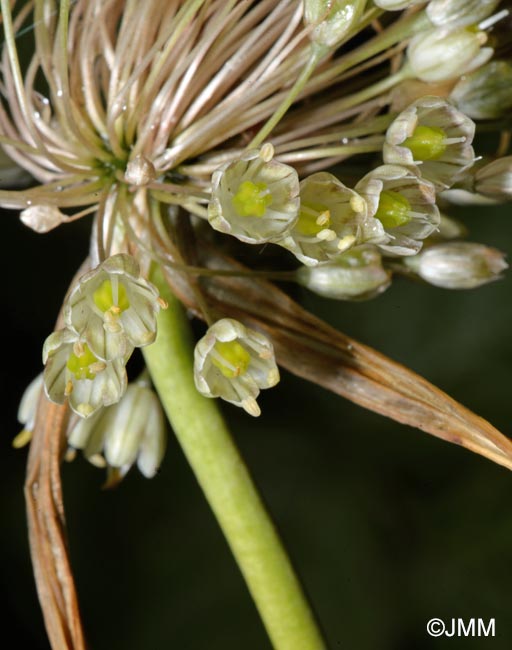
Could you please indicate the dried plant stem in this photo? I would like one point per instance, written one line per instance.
(227, 484)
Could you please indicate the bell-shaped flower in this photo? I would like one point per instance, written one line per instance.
(458, 265)
(405, 205)
(357, 274)
(332, 218)
(131, 430)
(73, 371)
(442, 54)
(254, 198)
(113, 308)
(234, 362)
(433, 135)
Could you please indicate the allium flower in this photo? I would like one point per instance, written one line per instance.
(434, 135)
(396, 5)
(72, 371)
(357, 274)
(131, 430)
(234, 362)
(27, 411)
(441, 54)
(404, 204)
(458, 265)
(494, 180)
(459, 13)
(255, 198)
(113, 308)
(332, 218)
(486, 93)
(332, 19)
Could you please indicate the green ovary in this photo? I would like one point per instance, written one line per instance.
(79, 366)
(230, 358)
(104, 297)
(313, 217)
(252, 199)
(393, 210)
(426, 143)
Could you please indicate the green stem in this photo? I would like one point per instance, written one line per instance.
(226, 483)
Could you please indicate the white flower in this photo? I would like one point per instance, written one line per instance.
(113, 308)
(357, 274)
(255, 198)
(72, 371)
(332, 218)
(441, 54)
(27, 411)
(434, 135)
(458, 265)
(486, 93)
(332, 19)
(131, 430)
(234, 362)
(459, 13)
(404, 204)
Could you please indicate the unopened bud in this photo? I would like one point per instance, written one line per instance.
(495, 180)
(331, 19)
(440, 54)
(42, 218)
(396, 5)
(458, 265)
(357, 274)
(140, 171)
(459, 13)
(486, 93)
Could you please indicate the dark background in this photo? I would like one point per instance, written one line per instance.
(388, 527)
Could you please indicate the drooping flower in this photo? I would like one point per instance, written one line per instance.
(113, 308)
(458, 265)
(254, 198)
(405, 205)
(27, 411)
(357, 274)
(332, 218)
(74, 372)
(434, 136)
(131, 430)
(234, 362)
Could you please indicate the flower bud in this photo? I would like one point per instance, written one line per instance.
(42, 218)
(332, 19)
(140, 171)
(254, 198)
(234, 362)
(458, 265)
(441, 54)
(434, 135)
(396, 5)
(486, 93)
(495, 180)
(357, 274)
(459, 13)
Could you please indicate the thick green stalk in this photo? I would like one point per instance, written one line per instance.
(227, 485)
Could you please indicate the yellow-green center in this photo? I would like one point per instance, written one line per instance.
(394, 209)
(111, 294)
(426, 143)
(80, 365)
(230, 358)
(313, 217)
(252, 199)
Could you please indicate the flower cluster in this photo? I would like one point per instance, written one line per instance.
(110, 311)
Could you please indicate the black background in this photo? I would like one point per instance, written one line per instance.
(388, 527)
